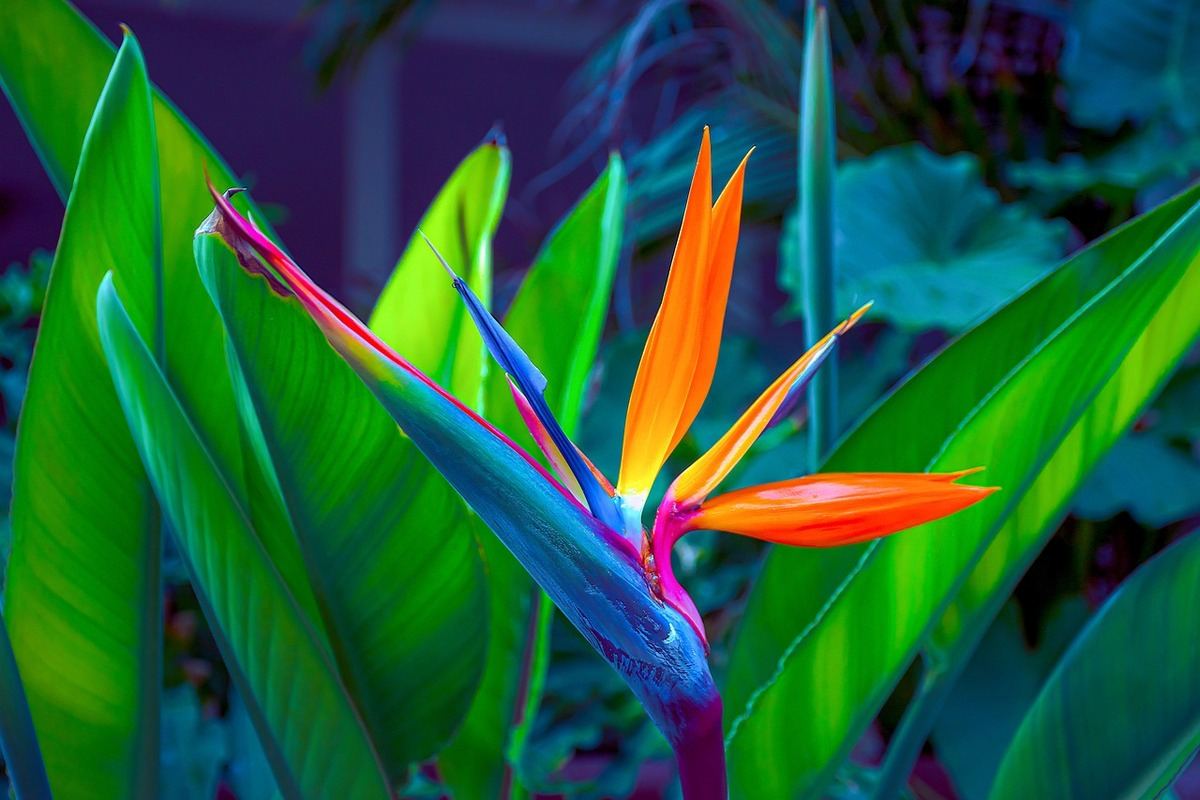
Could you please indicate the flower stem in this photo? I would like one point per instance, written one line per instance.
(701, 760)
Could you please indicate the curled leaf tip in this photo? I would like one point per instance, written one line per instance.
(855, 317)
(233, 191)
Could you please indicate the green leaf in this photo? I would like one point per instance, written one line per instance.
(1133, 61)
(557, 318)
(18, 741)
(831, 631)
(1120, 715)
(929, 242)
(387, 543)
(36, 38)
(319, 746)
(461, 222)
(82, 600)
(814, 235)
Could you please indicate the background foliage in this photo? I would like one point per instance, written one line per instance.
(979, 143)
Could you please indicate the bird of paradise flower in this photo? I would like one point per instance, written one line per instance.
(582, 538)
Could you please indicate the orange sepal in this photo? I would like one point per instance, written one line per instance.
(680, 357)
(836, 509)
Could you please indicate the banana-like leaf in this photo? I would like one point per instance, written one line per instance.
(36, 38)
(389, 546)
(18, 741)
(414, 308)
(284, 671)
(83, 601)
(589, 570)
(557, 317)
(1120, 715)
(831, 632)
(1028, 527)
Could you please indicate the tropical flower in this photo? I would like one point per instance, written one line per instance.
(634, 629)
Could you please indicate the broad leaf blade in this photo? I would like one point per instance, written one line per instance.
(1120, 715)
(319, 746)
(557, 317)
(36, 38)
(1028, 527)
(388, 544)
(83, 601)
(461, 221)
(1023, 377)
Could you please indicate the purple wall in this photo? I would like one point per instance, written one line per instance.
(243, 83)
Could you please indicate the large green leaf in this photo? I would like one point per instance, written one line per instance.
(557, 318)
(388, 544)
(36, 38)
(1120, 715)
(320, 746)
(1017, 542)
(83, 601)
(925, 238)
(830, 632)
(1133, 61)
(415, 314)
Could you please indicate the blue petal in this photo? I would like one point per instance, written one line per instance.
(532, 383)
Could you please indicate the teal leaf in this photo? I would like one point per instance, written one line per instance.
(1133, 61)
(925, 238)
(1120, 715)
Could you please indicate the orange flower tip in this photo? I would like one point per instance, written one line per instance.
(853, 319)
(962, 473)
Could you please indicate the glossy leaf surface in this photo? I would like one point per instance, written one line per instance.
(319, 746)
(557, 317)
(831, 632)
(82, 599)
(1120, 715)
(388, 545)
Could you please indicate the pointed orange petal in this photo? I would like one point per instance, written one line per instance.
(708, 315)
(664, 376)
(695, 483)
(836, 509)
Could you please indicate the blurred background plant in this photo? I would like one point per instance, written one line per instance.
(979, 142)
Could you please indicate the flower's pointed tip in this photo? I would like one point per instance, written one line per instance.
(126, 31)
(962, 473)
(853, 319)
(741, 167)
(233, 191)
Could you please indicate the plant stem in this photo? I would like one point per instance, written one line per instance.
(701, 759)
(817, 144)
